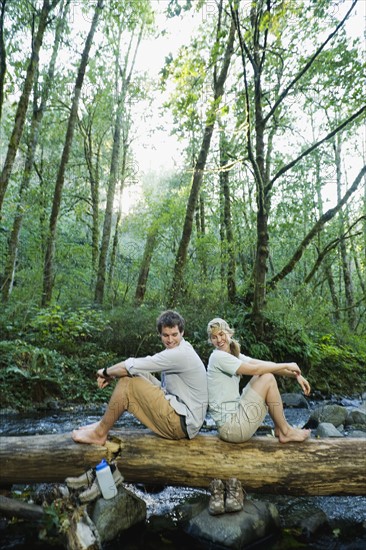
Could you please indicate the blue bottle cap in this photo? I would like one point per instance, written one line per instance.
(102, 464)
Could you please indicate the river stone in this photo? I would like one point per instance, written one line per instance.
(357, 433)
(335, 414)
(117, 514)
(305, 519)
(326, 429)
(257, 520)
(356, 417)
(294, 400)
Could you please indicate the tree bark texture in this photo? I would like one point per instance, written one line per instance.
(347, 276)
(333, 466)
(15, 508)
(2, 56)
(226, 230)
(150, 244)
(107, 226)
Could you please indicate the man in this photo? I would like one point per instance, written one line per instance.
(175, 407)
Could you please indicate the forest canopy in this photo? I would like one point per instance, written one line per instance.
(262, 216)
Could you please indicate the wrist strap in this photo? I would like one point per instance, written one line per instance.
(105, 372)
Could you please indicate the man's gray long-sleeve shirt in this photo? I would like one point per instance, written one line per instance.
(183, 380)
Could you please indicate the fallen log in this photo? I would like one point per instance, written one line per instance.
(333, 466)
(10, 507)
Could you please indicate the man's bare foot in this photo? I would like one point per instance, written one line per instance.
(92, 437)
(293, 434)
(88, 426)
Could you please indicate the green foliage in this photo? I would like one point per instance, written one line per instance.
(335, 367)
(33, 375)
(133, 331)
(66, 330)
(28, 373)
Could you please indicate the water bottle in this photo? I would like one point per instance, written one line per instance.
(105, 480)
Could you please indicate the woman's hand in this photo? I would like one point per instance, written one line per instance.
(305, 386)
(288, 369)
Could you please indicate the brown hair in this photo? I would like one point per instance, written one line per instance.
(170, 319)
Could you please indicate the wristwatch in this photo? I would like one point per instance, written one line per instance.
(105, 372)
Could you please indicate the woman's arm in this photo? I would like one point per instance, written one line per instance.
(252, 367)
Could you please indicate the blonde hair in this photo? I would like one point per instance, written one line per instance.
(218, 324)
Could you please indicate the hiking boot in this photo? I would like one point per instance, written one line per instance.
(216, 503)
(94, 491)
(85, 480)
(234, 495)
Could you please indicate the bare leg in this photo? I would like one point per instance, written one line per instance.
(266, 386)
(97, 433)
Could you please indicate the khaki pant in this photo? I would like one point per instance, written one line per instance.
(242, 424)
(147, 402)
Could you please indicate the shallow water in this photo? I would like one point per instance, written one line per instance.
(160, 531)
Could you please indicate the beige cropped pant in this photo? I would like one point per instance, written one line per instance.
(241, 425)
(147, 402)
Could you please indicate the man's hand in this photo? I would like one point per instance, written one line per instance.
(102, 380)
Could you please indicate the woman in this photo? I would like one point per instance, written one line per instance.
(238, 416)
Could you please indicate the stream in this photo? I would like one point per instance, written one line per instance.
(346, 515)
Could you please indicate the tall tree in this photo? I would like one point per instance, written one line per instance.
(2, 55)
(48, 272)
(226, 229)
(123, 74)
(219, 78)
(262, 119)
(21, 112)
(39, 107)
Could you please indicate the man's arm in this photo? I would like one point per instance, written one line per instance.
(106, 375)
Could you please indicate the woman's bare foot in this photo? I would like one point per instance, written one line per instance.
(92, 437)
(293, 434)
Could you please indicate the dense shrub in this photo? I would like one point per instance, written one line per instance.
(32, 375)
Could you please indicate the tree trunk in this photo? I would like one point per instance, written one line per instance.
(348, 287)
(24, 99)
(332, 290)
(93, 171)
(113, 174)
(201, 231)
(38, 112)
(48, 272)
(115, 240)
(226, 231)
(11, 507)
(145, 264)
(333, 466)
(2, 56)
(107, 226)
(182, 252)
